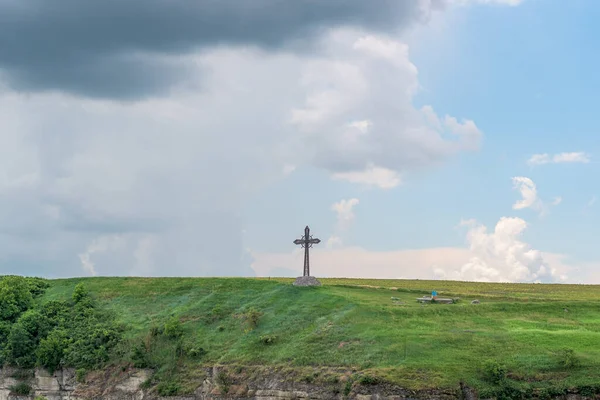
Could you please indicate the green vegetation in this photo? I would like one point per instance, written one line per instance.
(52, 334)
(521, 339)
(21, 389)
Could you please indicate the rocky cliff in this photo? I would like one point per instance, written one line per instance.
(128, 384)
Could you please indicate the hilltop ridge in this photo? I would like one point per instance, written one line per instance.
(532, 336)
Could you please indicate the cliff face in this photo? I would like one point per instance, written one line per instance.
(128, 385)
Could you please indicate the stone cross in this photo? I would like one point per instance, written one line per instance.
(307, 242)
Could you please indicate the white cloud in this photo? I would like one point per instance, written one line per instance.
(557, 201)
(99, 245)
(501, 256)
(382, 178)
(169, 176)
(499, 2)
(498, 256)
(529, 195)
(334, 241)
(358, 120)
(344, 210)
(573, 157)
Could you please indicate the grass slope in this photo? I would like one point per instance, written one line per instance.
(355, 324)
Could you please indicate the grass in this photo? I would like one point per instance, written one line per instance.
(354, 324)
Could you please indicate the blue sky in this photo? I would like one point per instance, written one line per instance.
(395, 131)
(527, 75)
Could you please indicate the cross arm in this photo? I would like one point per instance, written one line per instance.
(298, 241)
(314, 241)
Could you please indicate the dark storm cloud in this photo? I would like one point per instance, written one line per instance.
(112, 48)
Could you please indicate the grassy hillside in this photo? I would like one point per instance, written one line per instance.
(537, 334)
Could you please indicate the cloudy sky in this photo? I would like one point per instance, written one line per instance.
(446, 139)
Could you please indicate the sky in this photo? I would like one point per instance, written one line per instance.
(419, 139)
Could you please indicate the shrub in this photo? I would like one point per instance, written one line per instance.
(56, 311)
(15, 297)
(21, 389)
(147, 384)
(51, 351)
(74, 334)
(156, 331)
(80, 375)
(493, 372)
(36, 324)
(173, 328)
(216, 314)
(91, 344)
(268, 339)
(348, 387)
(223, 380)
(252, 316)
(20, 347)
(366, 380)
(169, 388)
(589, 391)
(196, 352)
(37, 286)
(22, 374)
(80, 293)
(139, 356)
(568, 359)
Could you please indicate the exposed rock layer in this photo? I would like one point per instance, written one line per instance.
(127, 385)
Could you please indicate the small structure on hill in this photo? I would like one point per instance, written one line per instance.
(307, 241)
(426, 299)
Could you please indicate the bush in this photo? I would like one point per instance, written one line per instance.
(51, 350)
(568, 359)
(91, 343)
(348, 387)
(223, 380)
(21, 389)
(56, 311)
(80, 293)
(139, 356)
(168, 388)
(15, 297)
(80, 375)
(268, 339)
(173, 328)
(493, 372)
(366, 380)
(156, 331)
(20, 347)
(196, 352)
(58, 333)
(252, 316)
(37, 286)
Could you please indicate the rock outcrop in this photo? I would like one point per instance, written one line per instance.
(127, 384)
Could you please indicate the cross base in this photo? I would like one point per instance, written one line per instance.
(307, 281)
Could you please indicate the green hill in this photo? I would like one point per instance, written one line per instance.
(520, 337)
